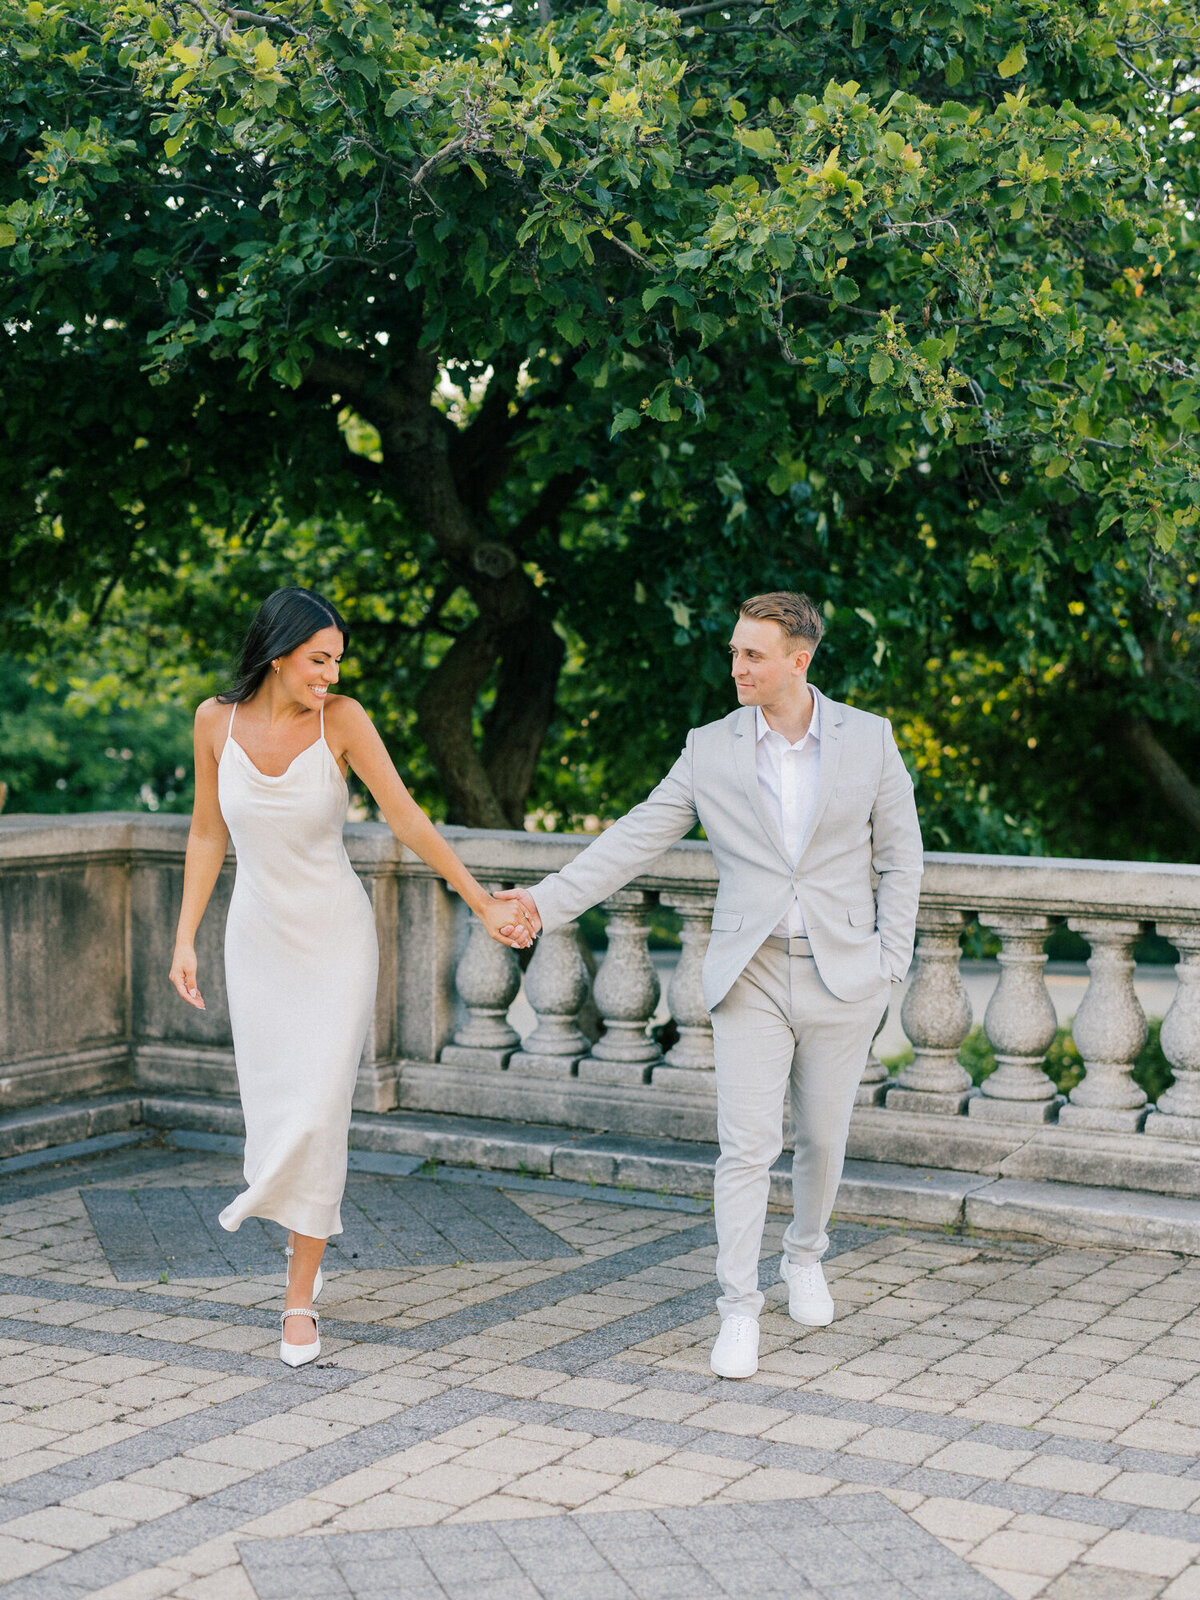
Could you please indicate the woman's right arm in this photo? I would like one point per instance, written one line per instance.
(207, 839)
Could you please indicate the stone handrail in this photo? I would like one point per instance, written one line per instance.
(88, 906)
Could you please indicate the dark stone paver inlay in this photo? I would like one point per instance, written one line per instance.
(804, 1550)
(146, 1232)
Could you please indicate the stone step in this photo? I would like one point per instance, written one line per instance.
(67, 1122)
(877, 1191)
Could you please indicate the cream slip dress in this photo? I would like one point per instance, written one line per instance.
(301, 967)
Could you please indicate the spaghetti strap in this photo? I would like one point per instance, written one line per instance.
(322, 719)
(232, 713)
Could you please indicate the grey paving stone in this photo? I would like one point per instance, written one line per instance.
(963, 1585)
(879, 1591)
(1082, 1449)
(381, 1545)
(797, 1457)
(1078, 1508)
(1015, 1497)
(1130, 1460)
(685, 1581)
(435, 1542)
(45, 1586)
(1006, 1438)
(647, 1430)
(733, 1446)
(1170, 1524)
(866, 1469)
(683, 1520)
(932, 1480)
(395, 1573)
(858, 1508)
(556, 1534)
(584, 1586)
(604, 1424)
(276, 1582)
(639, 1555)
(475, 1567)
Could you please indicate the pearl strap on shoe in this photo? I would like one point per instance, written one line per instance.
(299, 1311)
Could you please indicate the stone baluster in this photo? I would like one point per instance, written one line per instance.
(689, 1062)
(626, 993)
(556, 986)
(1109, 1031)
(1020, 1022)
(873, 1085)
(1178, 1113)
(487, 978)
(936, 1015)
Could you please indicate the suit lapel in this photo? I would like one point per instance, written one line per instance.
(745, 760)
(831, 756)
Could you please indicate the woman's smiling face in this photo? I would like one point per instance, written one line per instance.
(310, 671)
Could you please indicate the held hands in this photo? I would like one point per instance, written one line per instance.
(508, 925)
(521, 924)
(183, 976)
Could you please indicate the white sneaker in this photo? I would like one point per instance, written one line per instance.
(735, 1354)
(809, 1299)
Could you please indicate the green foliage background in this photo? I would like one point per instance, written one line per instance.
(501, 331)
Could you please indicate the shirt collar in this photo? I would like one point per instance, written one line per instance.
(762, 727)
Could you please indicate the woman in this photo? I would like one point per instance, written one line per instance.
(301, 960)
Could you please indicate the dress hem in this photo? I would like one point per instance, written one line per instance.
(239, 1215)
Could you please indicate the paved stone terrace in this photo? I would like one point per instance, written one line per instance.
(514, 1403)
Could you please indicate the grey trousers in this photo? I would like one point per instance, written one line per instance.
(780, 1024)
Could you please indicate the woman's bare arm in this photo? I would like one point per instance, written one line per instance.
(365, 751)
(207, 840)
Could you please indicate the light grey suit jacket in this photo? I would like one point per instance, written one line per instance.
(863, 832)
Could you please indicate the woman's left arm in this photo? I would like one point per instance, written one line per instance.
(362, 747)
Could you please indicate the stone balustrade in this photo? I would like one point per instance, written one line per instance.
(88, 905)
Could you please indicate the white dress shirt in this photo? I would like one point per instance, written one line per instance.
(787, 777)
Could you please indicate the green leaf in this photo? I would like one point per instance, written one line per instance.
(1013, 62)
(881, 367)
(954, 72)
(666, 291)
(8, 235)
(759, 141)
(858, 30)
(1056, 466)
(624, 420)
(845, 290)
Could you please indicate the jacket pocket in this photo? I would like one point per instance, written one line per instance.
(862, 916)
(726, 921)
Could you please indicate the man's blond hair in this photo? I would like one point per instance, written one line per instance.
(795, 613)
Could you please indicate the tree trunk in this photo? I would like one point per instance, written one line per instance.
(1178, 790)
(513, 632)
(515, 728)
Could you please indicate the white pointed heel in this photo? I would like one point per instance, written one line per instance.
(298, 1355)
(318, 1281)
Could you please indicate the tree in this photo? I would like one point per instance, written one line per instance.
(581, 325)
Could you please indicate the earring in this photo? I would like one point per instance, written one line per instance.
(276, 666)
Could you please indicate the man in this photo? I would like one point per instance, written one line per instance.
(806, 804)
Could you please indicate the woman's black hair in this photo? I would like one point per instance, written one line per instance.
(284, 621)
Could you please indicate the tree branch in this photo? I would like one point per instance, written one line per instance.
(1178, 790)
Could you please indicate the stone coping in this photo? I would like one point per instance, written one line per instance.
(1140, 890)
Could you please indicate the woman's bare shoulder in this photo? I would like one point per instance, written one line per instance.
(343, 712)
(209, 712)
